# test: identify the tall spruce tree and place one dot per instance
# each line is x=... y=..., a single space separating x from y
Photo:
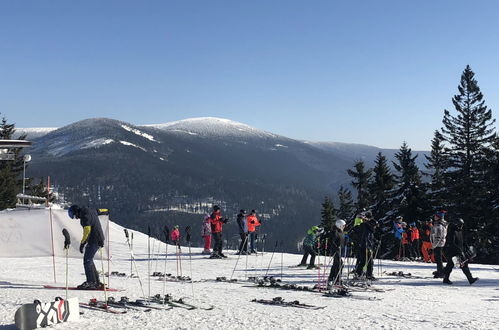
x=437 y=166
x=360 y=182
x=409 y=195
x=491 y=231
x=469 y=135
x=346 y=207
x=10 y=181
x=328 y=214
x=380 y=187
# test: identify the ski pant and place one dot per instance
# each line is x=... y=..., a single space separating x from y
x=217 y=246
x=450 y=266
x=365 y=261
x=335 y=274
x=243 y=247
x=307 y=250
x=88 y=263
x=207 y=242
x=416 y=248
x=252 y=236
x=427 y=252
x=438 y=259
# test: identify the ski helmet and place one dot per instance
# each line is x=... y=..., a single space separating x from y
x=340 y=224
x=242 y=211
x=216 y=207
x=72 y=211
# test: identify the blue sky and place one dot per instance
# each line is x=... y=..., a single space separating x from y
x=371 y=72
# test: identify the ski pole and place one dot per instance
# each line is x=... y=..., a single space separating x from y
x=188 y=239
x=103 y=278
x=67 y=244
x=133 y=261
x=167 y=233
x=271 y=257
x=239 y=256
x=282 y=258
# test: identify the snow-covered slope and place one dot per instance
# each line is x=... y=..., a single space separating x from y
x=415 y=303
x=33 y=133
x=211 y=126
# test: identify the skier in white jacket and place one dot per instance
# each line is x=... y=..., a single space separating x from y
x=437 y=238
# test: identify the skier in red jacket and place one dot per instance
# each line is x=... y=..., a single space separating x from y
x=217 y=222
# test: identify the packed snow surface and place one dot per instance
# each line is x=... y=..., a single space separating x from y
x=407 y=303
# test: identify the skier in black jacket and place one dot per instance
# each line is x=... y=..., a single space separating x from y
x=366 y=253
x=93 y=238
x=243 y=232
x=454 y=247
x=337 y=241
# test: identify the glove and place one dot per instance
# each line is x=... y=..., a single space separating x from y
x=101 y=244
x=225 y=220
x=82 y=246
x=252 y=222
x=67 y=244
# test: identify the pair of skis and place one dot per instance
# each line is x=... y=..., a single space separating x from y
x=279 y=301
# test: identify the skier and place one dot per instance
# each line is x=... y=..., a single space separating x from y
x=93 y=238
x=217 y=222
x=367 y=243
x=175 y=236
x=426 y=247
x=406 y=251
x=243 y=232
x=337 y=240
x=398 y=231
x=454 y=248
x=309 y=247
x=252 y=222
x=437 y=237
x=206 y=234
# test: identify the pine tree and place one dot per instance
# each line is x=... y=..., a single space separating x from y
x=360 y=182
x=328 y=214
x=346 y=208
x=490 y=233
x=409 y=199
x=437 y=166
x=10 y=182
x=380 y=187
x=469 y=135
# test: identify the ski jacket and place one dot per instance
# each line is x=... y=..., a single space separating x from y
x=252 y=222
x=398 y=230
x=175 y=235
x=414 y=234
x=206 y=226
x=311 y=239
x=438 y=233
x=454 y=243
x=241 y=223
x=337 y=240
x=405 y=239
x=367 y=240
x=216 y=222
x=425 y=233
x=92 y=228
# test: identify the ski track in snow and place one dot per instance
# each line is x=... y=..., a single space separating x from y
x=412 y=304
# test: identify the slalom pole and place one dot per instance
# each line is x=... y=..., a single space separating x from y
x=167 y=233
x=326 y=265
x=131 y=260
x=318 y=267
x=149 y=261
x=67 y=244
x=282 y=259
x=271 y=257
x=239 y=256
x=103 y=277
x=188 y=239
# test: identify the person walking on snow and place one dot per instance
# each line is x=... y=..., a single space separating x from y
x=437 y=237
x=243 y=232
x=93 y=239
x=217 y=222
x=310 y=246
x=252 y=222
x=337 y=241
x=454 y=248
x=206 y=234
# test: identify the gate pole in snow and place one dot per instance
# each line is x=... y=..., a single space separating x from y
x=52 y=240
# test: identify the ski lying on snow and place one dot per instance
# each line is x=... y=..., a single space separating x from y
x=76 y=288
x=101 y=306
x=178 y=303
x=278 y=301
x=346 y=294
